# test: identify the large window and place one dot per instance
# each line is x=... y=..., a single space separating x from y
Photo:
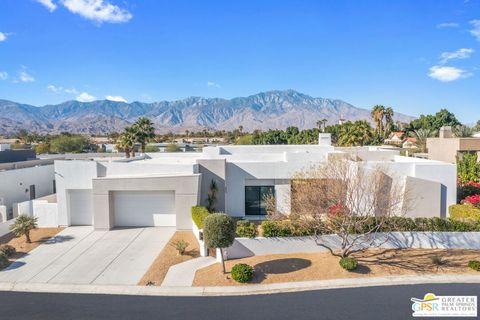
x=255 y=199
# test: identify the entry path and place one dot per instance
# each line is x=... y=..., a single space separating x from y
x=182 y=274
x=81 y=255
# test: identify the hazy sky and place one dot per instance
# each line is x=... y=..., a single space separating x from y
x=416 y=56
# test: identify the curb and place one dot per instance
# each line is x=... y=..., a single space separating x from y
x=237 y=290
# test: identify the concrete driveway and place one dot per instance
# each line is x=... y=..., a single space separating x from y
x=81 y=255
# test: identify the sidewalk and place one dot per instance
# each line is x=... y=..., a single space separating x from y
x=182 y=274
x=238 y=290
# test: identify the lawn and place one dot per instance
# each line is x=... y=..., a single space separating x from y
x=169 y=257
x=323 y=266
x=38 y=236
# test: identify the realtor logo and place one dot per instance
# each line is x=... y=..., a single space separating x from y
x=444 y=306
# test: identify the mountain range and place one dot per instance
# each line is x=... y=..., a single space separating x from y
x=265 y=110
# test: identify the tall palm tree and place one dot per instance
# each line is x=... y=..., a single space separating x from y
x=377 y=115
x=462 y=131
x=144 y=131
x=388 y=120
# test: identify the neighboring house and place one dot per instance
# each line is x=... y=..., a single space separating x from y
x=160 y=188
x=26 y=180
x=447 y=146
x=395 y=138
x=410 y=143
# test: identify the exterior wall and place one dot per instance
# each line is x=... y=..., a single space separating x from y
x=467 y=144
x=446 y=149
x=16 y=155
x=426 y=198
x=14 y=184
x=186 y=188
x=213 y=170
x=72 y=175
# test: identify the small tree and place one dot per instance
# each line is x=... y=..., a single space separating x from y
x=346 y=198
x=219 y=232
x=23 y=225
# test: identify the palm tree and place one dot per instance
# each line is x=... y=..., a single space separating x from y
x=144 y=131
x=388 y=120
x=321 y=123
x=23 y=225
x=421 y=135
x=462 y=131
x=240 y=128
x=377 y=115
x=127 y=140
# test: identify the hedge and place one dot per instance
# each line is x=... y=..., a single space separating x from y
x=199 y=214
x=464 y=212
x=246 y=229
x=287 y=228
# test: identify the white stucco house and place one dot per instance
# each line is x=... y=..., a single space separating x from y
x=159 y=189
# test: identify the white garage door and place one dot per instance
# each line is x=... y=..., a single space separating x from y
x=144 y=209
x=80 y=207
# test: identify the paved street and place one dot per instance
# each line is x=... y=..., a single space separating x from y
x=390 y=303
x=81 y=255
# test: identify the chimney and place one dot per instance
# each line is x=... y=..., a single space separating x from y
x=446 y=132
x=324 y=139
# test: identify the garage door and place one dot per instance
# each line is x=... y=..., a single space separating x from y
x=144 y=209
x=80 y=207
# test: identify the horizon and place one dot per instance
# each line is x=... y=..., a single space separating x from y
x=417 y=57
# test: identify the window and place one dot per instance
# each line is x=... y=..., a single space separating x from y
x=32 y=192
x=255 y=199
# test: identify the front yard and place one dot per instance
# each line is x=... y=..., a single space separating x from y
x=38 y=236
x=169 y=256
x=324 y=266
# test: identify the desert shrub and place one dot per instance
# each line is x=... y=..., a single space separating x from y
x=3 y=260
x=474 y=264
x=199 y=214
x=437 y=260
x=464 y=212
x=152 y=148
x=181 y=246
x=242 y=272
x=287 y=228
x=246 y=229
x=348 y=263
x=23 y=225
x=7 y=249
x=284 y=228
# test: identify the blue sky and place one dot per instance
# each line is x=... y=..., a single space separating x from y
x=416 y=56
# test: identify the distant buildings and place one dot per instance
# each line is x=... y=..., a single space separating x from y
x=446 y=147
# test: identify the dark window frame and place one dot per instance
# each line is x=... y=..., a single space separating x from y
x=254 y=199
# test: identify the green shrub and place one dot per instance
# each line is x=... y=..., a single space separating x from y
x=437 y=260
x=349 y=263
x=219 y=232
x=464 y=212
x=246 y=229
x=242 y=272
x=276 y=228
x=474 y=264
x=199 y=214
x=7 y=249
x=181 y=246
x=3 y=260
x=466 y=190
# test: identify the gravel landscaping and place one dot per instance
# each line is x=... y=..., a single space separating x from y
x=169 y=256
x=323 y=266
x=38 y=236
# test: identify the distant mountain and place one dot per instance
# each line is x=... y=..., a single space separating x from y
x=265 y=110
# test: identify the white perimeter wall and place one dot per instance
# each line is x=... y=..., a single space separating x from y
x=14 y=184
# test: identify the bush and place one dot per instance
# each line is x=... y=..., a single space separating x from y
x=349 y=263
x=7 y=249
x=242 y=272
x=474 y=264
x=246 y=229
x=3 y=260
x=181 y=246
x=199 y=214
x=464 y=212
x=437 y=260
x=467 y=189
x=284 y=228
x=218 y=230
x=474 y=200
